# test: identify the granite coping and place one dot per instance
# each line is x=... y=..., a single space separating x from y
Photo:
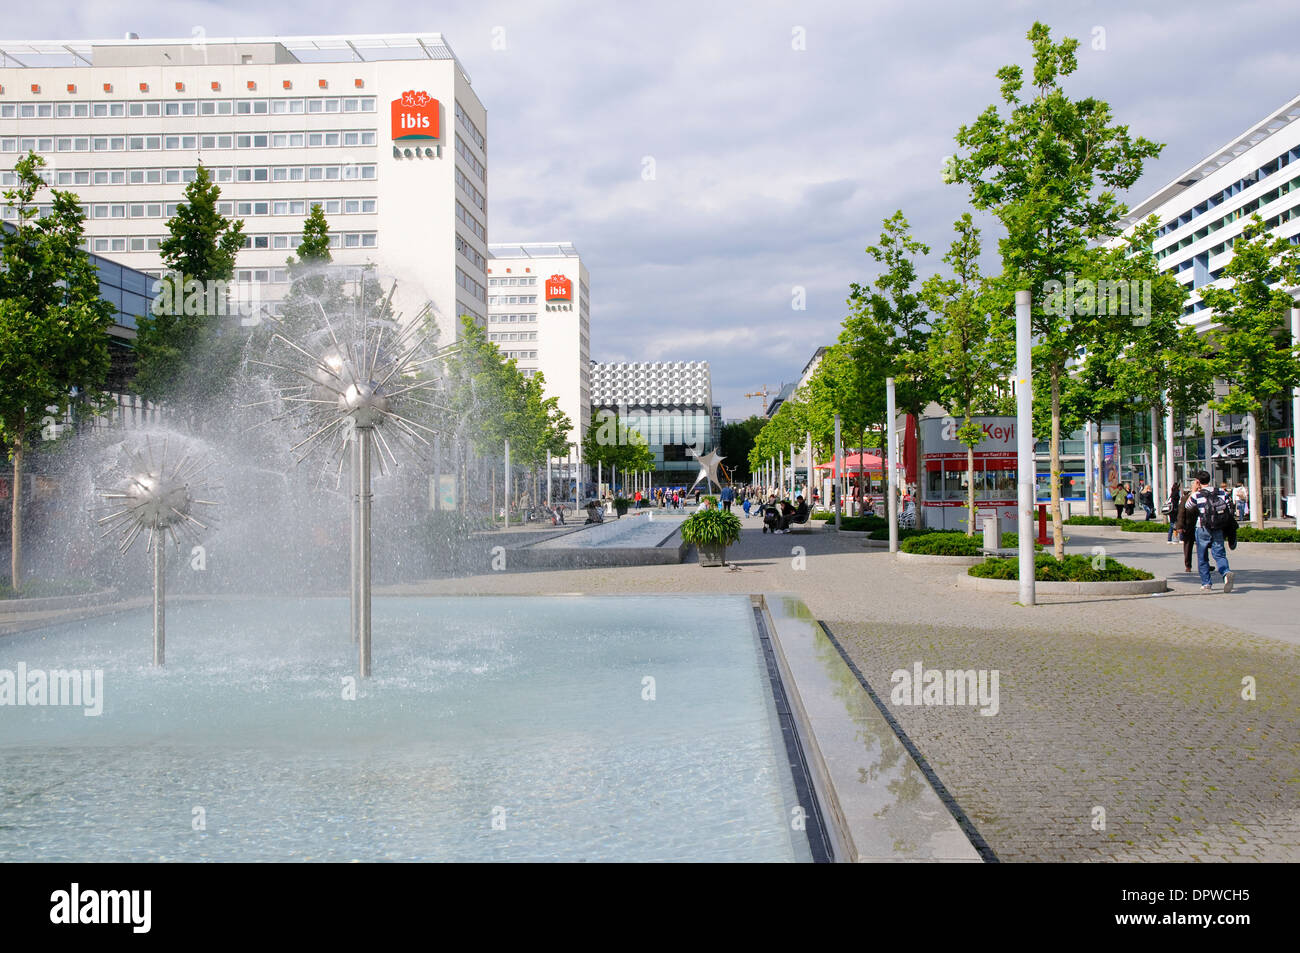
x=879 y=805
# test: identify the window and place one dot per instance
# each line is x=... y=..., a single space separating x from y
x=245 y=107
x=280 y=241
x=280 y=106
x=215 y=107
x=351 y=206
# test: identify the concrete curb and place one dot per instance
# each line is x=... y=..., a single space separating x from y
x=54 y=603
x=1134 y=588
x=1244 y=547
x=939 y=560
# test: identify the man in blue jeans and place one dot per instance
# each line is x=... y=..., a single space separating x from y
x=1211 y=505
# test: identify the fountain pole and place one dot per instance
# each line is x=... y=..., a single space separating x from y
x=361 y=569
x=354 y=593
x=159 y=603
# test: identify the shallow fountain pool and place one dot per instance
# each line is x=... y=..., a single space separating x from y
x=513 y=728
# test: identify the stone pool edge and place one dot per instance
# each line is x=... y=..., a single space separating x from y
x=829 y=730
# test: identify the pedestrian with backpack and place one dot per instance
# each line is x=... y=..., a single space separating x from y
x=1214 y=519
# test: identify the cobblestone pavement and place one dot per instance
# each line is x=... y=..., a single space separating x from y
x=1131 y=705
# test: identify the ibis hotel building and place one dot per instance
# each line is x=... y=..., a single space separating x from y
x=384 y=131
x=539 y=314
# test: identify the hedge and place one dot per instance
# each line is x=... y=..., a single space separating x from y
x=1144 y=526
x=942 y=544
x=882 y=532
x=1012 y=541
x=1273 y=534
x=1092 y=521
x=1071 y=569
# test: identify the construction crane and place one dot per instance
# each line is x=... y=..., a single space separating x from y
x=764 y=393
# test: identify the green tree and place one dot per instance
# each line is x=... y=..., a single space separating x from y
x=189 y=347
x=1049 y=171
x=612 y=444
x=1249 y=348
x=737 y=440
x=888 y=335
x=314 y=287
x=53 y=323
x=967 y=361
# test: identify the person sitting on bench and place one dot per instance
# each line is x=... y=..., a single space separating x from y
x=595 y=512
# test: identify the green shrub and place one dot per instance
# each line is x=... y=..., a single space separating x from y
x=882 y=532
x=1144 y=526
x=822 y=515
x=1273 y=534
x=1012 y=541
x=1092 y=521
x=1074 y=568
x=942 y=544
x=711 y=527
x=863 y=524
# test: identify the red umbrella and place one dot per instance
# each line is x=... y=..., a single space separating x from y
x=853 y=462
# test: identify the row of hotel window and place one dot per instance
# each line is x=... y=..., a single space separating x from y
x=514 y=336
x=473 y=287
x=468 y=188
x=513 y=318
x=471 y=128
x=240 y=209
x=470 y=252
x=187 y=107
x=512 y=299
x=520 y=356
x=1245 y=182
x=466 y=217
x=146 y=243
x=283 y=173
x=512 y=282
x=277 y=140
x=1250 y=207
x=463 y=151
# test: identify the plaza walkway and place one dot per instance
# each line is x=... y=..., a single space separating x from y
x=1122 y=733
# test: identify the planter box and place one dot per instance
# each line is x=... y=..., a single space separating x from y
x=1132 y=588
x=712 y=556
x=939 y=560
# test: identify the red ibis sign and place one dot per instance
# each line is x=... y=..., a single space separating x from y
x=415 y=115
x=559 y=288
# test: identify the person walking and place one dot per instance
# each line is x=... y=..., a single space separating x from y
x=1117 y=497
x=1186 y=519
x=1214 y=519
x=1146 y=499
x=726 y=496
x=1241 y=496
x=1129 y=500
x=1171 y=510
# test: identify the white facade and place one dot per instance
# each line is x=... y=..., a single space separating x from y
x=539 y=314
x=282 y=123
x=1203 y=210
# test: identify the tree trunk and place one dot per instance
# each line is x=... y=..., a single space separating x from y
x=16 y=527
x=970 y=491
x=1058 y=541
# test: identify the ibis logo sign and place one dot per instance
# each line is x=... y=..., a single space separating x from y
x=416 y=115
x=559 y=288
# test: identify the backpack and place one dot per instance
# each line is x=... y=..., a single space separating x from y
x=1218 y=511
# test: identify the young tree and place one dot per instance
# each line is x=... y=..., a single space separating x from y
x=1049 y=171
x=967 y=361
x=53 y=323
x=188 y=349
x=314 y=286
x=894 y=313
x=612 y=444
x=1249 y=347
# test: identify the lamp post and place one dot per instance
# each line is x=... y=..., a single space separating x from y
x=1025 y=444
x=891 y=437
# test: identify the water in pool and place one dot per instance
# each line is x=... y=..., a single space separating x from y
x=632 y=728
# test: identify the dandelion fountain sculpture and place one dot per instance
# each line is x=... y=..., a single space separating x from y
x=354 y=378
x=159 y=499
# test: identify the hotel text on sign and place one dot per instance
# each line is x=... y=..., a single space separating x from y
x=415 y=116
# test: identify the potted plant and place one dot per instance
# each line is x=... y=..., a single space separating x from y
x=711 y=531
x=621 y=505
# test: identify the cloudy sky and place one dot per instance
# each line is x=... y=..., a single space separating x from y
x=709 y=158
